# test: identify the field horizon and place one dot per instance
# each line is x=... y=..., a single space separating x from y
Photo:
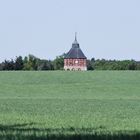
x=70 y=105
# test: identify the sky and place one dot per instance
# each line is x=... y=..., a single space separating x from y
x=108 y=29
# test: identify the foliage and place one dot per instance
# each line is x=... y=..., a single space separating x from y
x=29 y=62
x=90 y=64
x=96 y=105
x=19 y=63
x=59 y=63
x=45 y=65
x=8 y=65
x=115 y=65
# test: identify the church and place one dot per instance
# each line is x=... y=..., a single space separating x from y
x=75 y=60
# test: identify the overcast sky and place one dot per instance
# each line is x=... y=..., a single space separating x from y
x=107 y=29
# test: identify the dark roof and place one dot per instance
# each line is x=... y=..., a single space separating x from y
x=75 y=51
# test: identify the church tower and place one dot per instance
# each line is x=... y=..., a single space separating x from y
x=75 y=60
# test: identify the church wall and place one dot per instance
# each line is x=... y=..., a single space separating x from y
x=75 y=64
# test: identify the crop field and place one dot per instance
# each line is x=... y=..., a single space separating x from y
x=98 y=105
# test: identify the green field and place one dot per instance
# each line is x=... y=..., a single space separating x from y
x=70 y=105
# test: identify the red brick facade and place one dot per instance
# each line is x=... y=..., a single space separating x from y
x=75 y=64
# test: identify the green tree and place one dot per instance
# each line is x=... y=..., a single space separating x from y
x=31 y=62
x=45 y=65
x=8 y=65
x=59 y=63
x=90 y=64
x=19 y=63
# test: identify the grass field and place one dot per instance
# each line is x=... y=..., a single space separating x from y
x=96 y=105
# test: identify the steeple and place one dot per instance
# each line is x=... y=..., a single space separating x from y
x=75 y=36
x=75 y=41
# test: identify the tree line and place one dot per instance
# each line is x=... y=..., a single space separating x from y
x=31 y=62
x=102 y=64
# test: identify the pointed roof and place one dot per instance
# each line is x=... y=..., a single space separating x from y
x=75 y=41
x=75 y=51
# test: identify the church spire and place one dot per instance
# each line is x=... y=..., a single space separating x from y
x=75 y=36
x=75 y=41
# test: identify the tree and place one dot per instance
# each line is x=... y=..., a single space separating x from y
x=59 y=62
x=19 y=63
x=45 y=65
x=1 y=66
x=90 y=64
x=132 y=65
x=26 y=65
x=31 y=62
x=8 y=65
